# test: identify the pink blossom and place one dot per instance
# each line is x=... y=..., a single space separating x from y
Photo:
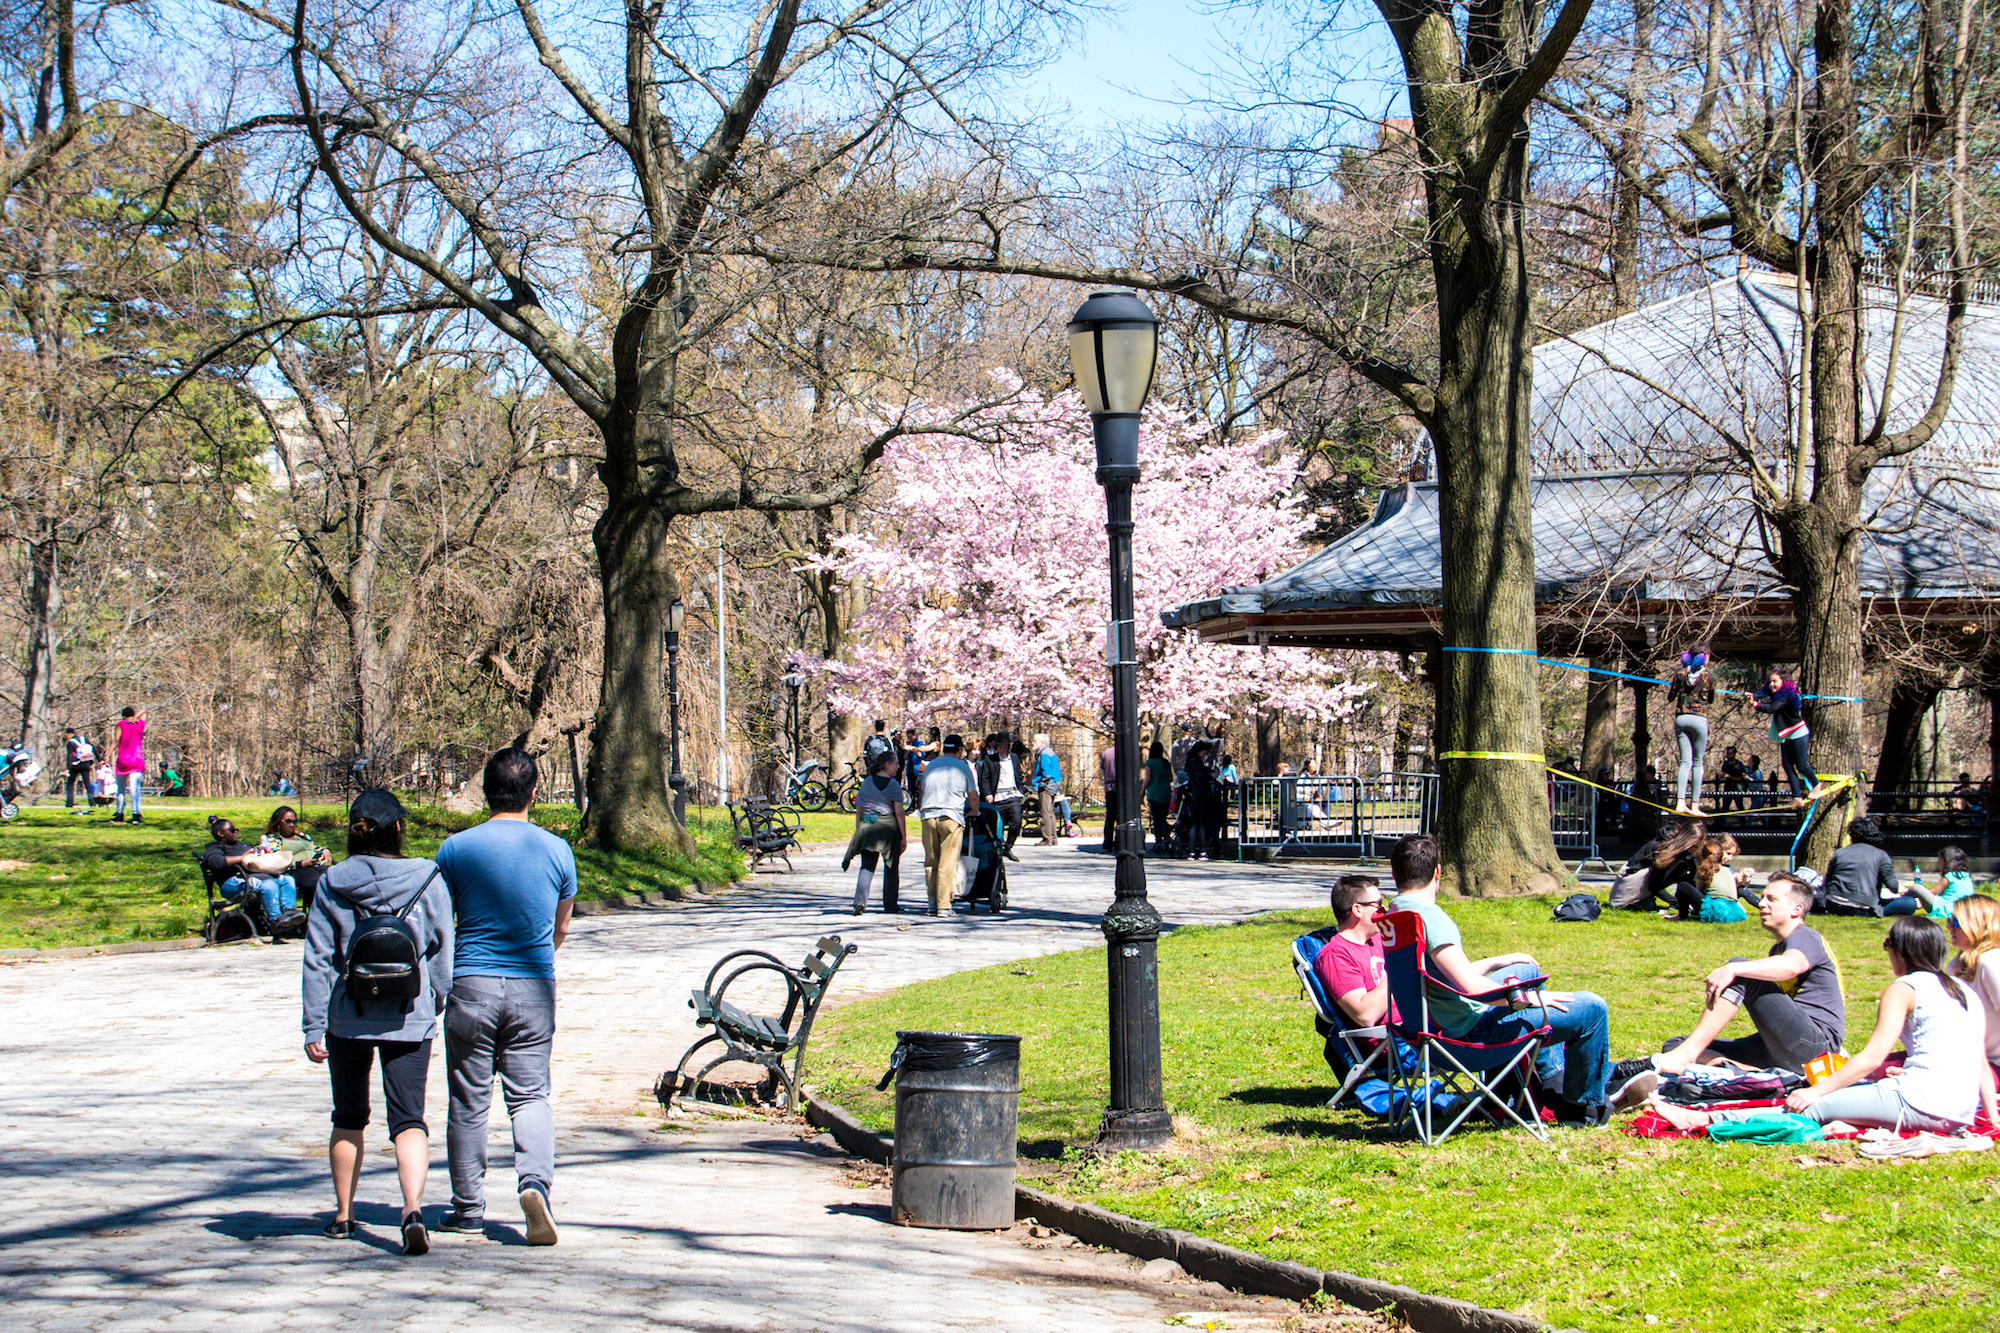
x=989 y=583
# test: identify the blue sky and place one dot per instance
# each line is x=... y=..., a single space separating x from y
x=1138 y=61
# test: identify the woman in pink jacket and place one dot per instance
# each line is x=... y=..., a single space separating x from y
x=131 y=767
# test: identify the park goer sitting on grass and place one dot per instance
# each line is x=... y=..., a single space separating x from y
x=1792 y=994
x=1660 y=867
x=1711 y=895
x=1861 y=879
x=1954 y=883
x=240 y=867
x=1974 y=926
x=1944 y=1081
x=1574 y=1066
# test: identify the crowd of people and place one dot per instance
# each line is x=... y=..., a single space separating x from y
x=1689 y=870
x=1945 y=1013
x=961 y=800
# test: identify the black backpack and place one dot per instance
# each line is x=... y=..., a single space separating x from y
x=1579 y=907
x=385 y=958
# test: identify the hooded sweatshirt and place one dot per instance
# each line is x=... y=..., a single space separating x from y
x=377 y=884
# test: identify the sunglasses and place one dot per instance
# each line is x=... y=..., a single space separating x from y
x=1367 y=902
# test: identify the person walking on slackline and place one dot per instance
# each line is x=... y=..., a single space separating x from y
x=1691 y=691
x=1780 y=698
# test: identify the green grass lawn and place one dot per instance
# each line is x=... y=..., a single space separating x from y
x=1595 y=1231
x=71 y=879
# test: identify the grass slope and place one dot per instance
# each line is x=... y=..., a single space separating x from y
x=1596 y=1231
x=71 y=879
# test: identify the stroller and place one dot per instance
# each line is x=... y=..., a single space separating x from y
x=18 y=768
x=989 y=881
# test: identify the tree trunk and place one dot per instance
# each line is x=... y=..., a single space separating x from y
x=629 y=808
x=38 y=694
x=1910 y=698
x=1494 y=817
x=1270 y=741
x=1600 y=717
x=1822 y=559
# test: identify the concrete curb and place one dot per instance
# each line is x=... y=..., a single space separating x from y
x=1238 y=1269
x=92 y=950
x=693 y=893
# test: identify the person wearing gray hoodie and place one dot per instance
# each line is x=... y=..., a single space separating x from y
x=348 y=1035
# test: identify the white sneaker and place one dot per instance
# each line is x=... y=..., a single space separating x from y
x=541 y=1222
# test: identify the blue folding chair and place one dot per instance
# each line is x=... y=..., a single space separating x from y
x=1476 y=1070
x=1332 y=1024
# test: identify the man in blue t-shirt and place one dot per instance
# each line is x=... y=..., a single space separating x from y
x=511 y=885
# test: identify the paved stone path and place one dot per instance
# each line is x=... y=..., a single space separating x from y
x=162 y=1142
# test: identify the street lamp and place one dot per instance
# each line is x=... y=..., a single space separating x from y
x=676 y=782
x=793 y=679
x=1114 y=344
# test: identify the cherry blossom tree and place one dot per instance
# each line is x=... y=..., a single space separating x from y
x=988 y=574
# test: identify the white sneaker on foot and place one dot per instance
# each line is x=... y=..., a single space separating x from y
x=541 y=1222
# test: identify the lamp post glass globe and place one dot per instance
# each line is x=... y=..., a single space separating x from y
x=1114 y=344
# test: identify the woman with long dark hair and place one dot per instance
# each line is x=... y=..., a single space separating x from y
x=1780 y=698
x=350 y=1035
x=1944 y=1082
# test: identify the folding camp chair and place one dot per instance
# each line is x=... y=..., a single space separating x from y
x=1332 y=1024
x=1475 y=1069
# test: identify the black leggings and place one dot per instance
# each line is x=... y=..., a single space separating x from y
x=1163 y=829
x=404 y=1067
x=1793 y=754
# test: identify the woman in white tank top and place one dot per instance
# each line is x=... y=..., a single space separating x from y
x=1942 y=1026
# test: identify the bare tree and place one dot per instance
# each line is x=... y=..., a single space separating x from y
x=673 y=139
x=1797 y=143
x=1471 y=77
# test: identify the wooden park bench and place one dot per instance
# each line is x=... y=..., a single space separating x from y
x=766 y=1040
x=763 y=831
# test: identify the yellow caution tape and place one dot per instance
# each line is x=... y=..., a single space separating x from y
x=1495 y=754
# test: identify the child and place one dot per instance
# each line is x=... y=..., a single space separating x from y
x=1711 y=894
x=1955 y=882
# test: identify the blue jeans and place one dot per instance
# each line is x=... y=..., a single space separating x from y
x=279 y=894
x=1578 y=1055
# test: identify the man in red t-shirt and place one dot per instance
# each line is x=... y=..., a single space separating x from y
x=1350 y=965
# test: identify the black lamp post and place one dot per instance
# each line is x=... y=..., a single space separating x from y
x=793 y=679
x=676 y=781
x=1113 y=346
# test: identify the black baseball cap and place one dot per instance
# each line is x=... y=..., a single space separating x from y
x=377 y=805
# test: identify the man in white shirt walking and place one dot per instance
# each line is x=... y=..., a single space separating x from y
x=951 y=797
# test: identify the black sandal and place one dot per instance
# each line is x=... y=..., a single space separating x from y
x=415 y=1239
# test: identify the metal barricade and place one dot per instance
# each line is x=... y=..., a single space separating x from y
x=1573 y=821
x=1321 y=813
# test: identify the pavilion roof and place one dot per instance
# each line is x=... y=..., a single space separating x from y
x=1637 y=497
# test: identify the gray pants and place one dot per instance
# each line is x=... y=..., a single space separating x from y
x=503 y=1025
x=1691 y=734
x=1864 y=1106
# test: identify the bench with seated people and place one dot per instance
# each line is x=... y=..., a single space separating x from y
x=236 y=873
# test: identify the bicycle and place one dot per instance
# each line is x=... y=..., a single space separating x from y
x=798 y=787
x=847 y=791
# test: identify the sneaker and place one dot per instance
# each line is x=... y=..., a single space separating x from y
x=340 y=1228
x=857 y=909
x=541 y=1222
x=461 y=1225
x=1008 y=852
x=118 y=818
x=137 y=819
x=415 y=1241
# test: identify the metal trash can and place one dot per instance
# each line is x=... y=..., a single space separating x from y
x=957 y=1094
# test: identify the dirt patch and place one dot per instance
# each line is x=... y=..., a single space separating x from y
x=7 y=865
